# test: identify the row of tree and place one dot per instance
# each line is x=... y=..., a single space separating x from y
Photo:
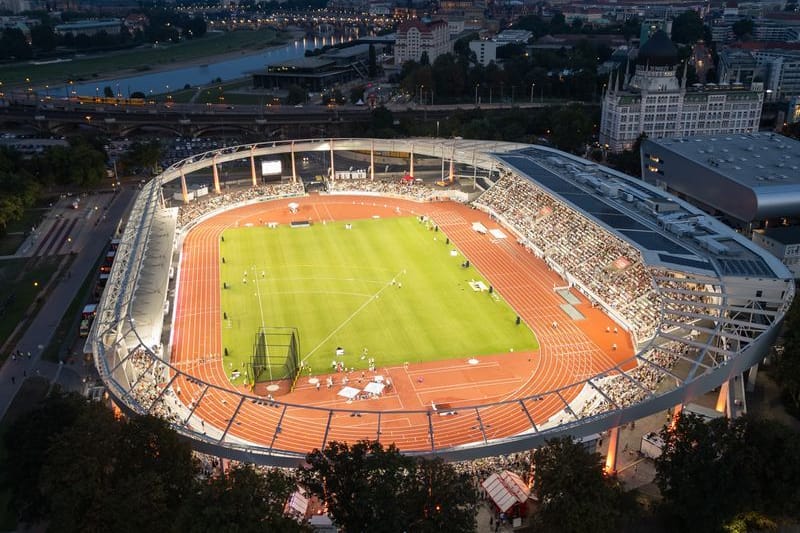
x=163 y=25
x=568 y=73
x=740 y=475
x=22 y=179
x=78 y=465
x=569 y=127
x=787 y=361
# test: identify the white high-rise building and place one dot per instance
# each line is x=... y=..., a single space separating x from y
x=414 y=37
x=654 y=102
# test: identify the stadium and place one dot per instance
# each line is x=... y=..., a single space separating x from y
x=572 y=299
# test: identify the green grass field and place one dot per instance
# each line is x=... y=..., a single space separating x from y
x=336 y=287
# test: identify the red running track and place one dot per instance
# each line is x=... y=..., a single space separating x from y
x=569 y=353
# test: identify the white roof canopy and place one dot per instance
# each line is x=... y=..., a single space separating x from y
x=506 y=489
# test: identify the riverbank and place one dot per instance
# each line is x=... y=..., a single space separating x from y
x=99 y=69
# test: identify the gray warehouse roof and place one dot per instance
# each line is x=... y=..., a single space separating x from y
x=753 y=160
x=748 y=177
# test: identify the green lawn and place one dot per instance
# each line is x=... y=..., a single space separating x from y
x=335 y=286
x=20 y=285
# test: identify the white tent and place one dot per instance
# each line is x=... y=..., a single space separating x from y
x=297 y=504
x=374 y=388
x=349 y=392
x=506 y=489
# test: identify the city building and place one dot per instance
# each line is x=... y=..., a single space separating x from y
x=784 y=243
x=775 y=27
x=653 y=101
x=485 y=51
x=19 y=6
x=317 y=73
x=513 y=36
x=90 y=27
x=736 y=65
x=415 y=38
x=793 y=113
x=751 y=181
x=777 y=64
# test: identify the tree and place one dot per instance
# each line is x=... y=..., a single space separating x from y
x=14 y=45
x=243 y=496
x=371 y=488
x=787 y=363
x=43 y=37
x=296 y=95
x=629 y=161
x=632 y=28
x=108 y=92
x=363 y=484
x=743 y=29
x=143 y=154
x=687 y=28
x=573 y=492
x=27 y=442
x=424 y=59
x=691 y=465
x=572 y=129
x=715 y=473
x=106 y=474
x=442 y=498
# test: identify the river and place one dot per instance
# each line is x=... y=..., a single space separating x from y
x=161 y=81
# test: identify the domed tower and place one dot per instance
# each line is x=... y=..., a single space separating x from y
x=656 y=64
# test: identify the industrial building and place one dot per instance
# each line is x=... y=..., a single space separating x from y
x=750 y=181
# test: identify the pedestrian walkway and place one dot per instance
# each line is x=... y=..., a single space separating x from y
x=101 y=226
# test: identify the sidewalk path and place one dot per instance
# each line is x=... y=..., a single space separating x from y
x=99 y=229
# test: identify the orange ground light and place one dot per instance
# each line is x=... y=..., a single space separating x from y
x=568 y=353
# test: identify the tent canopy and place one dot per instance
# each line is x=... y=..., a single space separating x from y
x=506 y=489
x=349 y=392
x=374 y=388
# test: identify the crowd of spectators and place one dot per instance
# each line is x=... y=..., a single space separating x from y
x=635 y=385
x=199 y=207
x=148 y=381
x=608 y=266
x=406 y=189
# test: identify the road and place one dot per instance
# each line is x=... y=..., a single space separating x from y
x=95 y=237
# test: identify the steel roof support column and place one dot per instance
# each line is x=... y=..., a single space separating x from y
x=751 y=378
x=333 y=171
x=215 y=170
x=430 y=432
x=676 y=414
x=411 y=162
x=372 y=161
x=184 y=189
x=253 y=165
x=613 y=448
x=294 y=166
x=230 y=422
x=723 y=398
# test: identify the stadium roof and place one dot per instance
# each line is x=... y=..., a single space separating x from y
x=668 y=231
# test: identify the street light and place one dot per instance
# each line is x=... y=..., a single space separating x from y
x=532 y=86
x=476 y=93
